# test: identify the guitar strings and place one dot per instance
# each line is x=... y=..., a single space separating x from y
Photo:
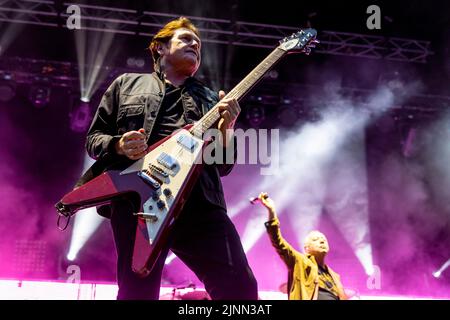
x=240 y=89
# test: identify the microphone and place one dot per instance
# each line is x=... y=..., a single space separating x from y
x=256 y=199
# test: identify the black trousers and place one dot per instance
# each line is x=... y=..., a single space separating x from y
x=204 y=238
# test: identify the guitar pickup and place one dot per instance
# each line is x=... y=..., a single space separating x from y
x=187 y=142
x=149 y=180
x=167 y=161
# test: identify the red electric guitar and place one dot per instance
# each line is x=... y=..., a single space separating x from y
x=160 y=182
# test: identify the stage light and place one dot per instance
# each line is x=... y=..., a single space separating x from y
x=93 y=53
x=80 y=116
x=273 y=74
x=364 y=254
x=7 y=87
x=71 y=256
x=140 y=63
x=130 y=62
x=86 y=223
x=40 y=91
x=40 y=96
x=437 y=274
x=369 y=270
x=30 y=257
x=255 y=115
x=288 y=115
x=135 y=62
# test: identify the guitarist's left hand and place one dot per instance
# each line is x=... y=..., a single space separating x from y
x=229 y=111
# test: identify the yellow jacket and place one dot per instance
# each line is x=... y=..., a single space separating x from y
x=303 y=275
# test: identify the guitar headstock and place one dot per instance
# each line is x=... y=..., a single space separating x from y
x=301 y=41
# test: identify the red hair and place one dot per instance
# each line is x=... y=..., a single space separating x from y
x=166 y=33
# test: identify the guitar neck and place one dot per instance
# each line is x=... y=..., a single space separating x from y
x=239 y=91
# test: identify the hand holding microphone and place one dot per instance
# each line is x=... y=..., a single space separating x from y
x=267 y=202
x=254 y=200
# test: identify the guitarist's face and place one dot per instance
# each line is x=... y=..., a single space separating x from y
x=182 y=52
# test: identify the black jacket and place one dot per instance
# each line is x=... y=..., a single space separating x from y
x=132 y=102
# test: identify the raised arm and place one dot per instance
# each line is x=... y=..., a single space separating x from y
x=283 y=248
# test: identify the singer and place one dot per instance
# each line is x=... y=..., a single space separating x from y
x=320 y=282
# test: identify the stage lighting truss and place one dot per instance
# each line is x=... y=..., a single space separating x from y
x=238 y=33
x=20 y=71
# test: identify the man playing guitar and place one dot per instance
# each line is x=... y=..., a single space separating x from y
x=138 y=110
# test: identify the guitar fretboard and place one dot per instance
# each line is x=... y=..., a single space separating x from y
x=239 y=91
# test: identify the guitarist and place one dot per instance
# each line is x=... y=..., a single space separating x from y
x=138 y=110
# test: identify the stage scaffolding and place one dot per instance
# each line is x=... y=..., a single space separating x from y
x=236 y=33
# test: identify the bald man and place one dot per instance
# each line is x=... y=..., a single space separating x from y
x=309 y=278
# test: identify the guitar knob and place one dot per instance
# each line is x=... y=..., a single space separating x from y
x=160 y=204
x=167 y=192
x=155 y=196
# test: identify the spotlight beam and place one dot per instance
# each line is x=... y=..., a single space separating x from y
x=86 y=223
x=438 y=273
x=10 y=33
x=314 y=146
x=93 y=50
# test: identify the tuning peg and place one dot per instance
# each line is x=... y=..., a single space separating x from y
x=312 y=44
x=315 y=41
x=307 y=51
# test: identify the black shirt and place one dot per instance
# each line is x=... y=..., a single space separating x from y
x=171 y=115
x=327 y=287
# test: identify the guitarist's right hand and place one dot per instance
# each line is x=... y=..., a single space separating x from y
x=132 y=144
